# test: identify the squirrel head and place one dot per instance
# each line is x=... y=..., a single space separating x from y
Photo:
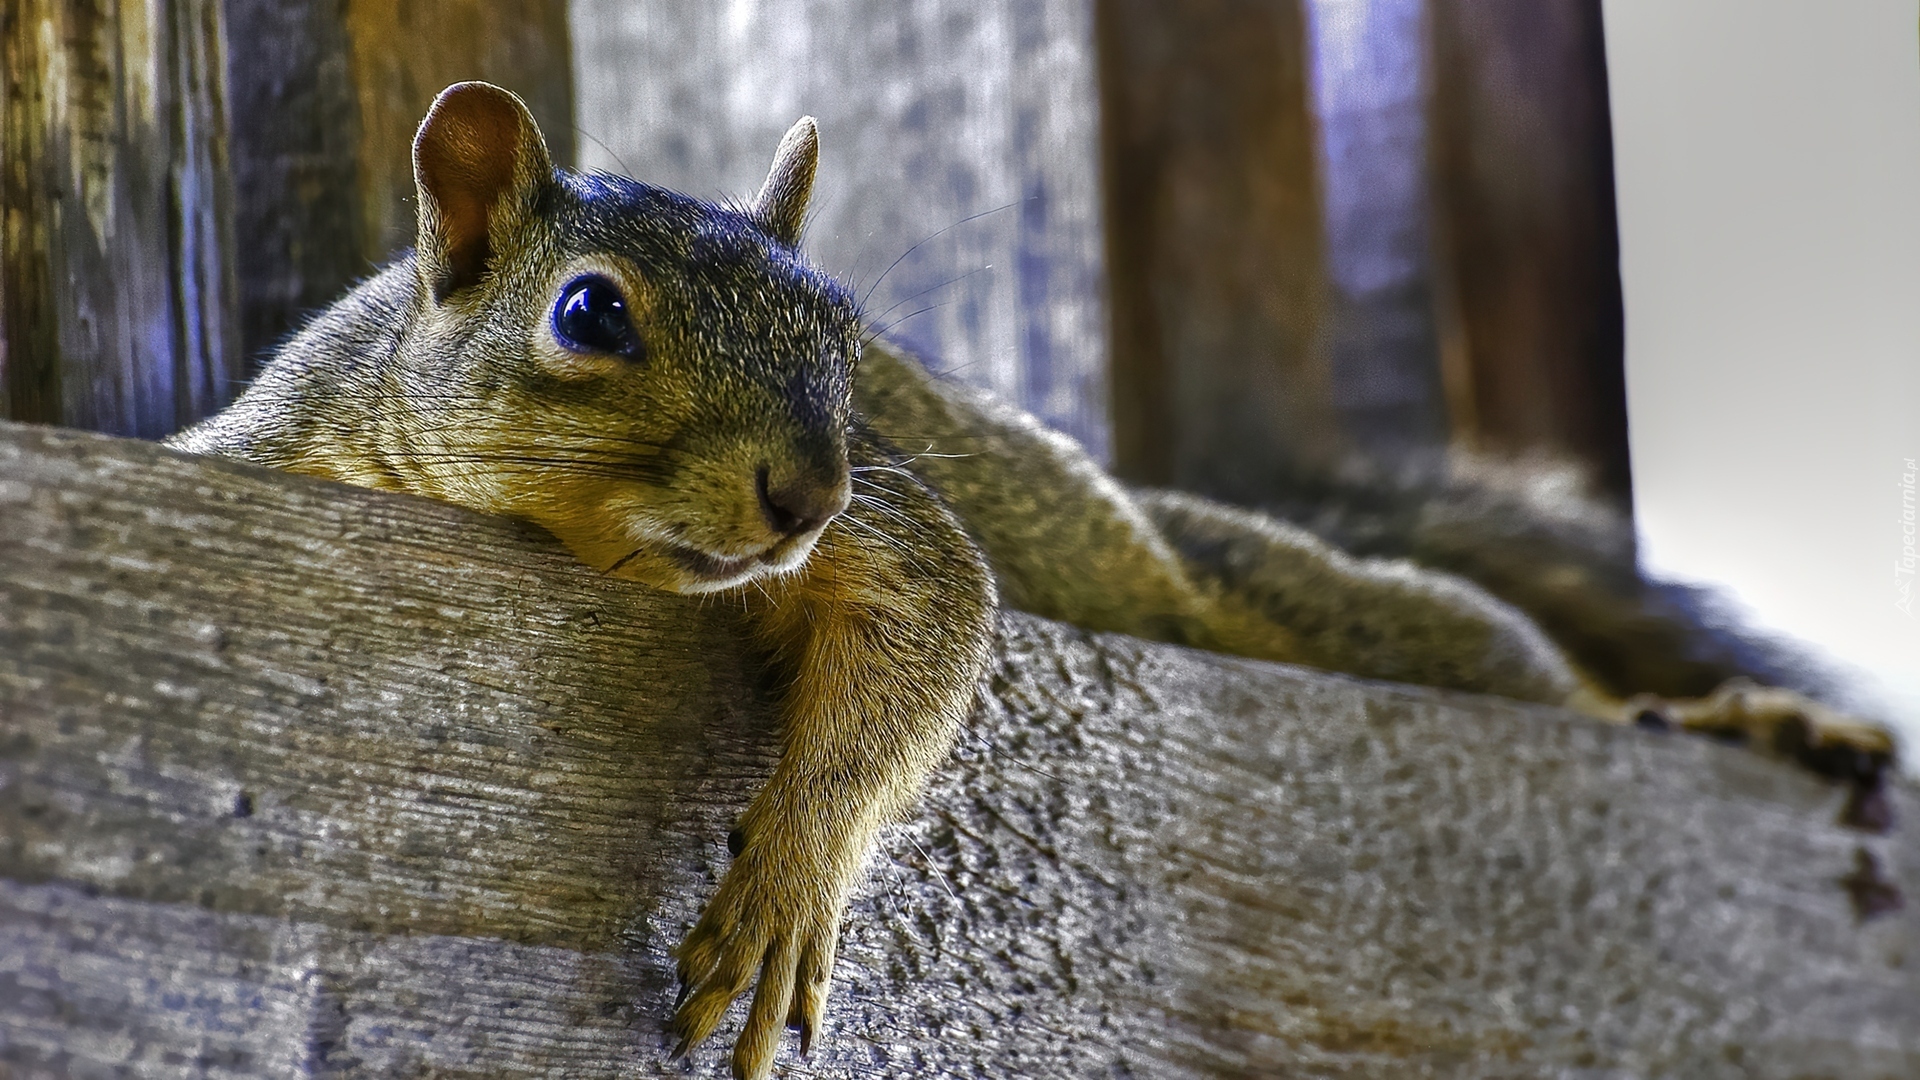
x=663 y=383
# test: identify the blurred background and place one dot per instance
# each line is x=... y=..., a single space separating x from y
x=1270 y=250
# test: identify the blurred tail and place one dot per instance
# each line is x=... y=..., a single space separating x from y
x=1531 y=533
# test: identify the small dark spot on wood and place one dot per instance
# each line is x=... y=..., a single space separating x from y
x=1873 y=895
x=736 y=842
x=1652 y=720
x=243 y=804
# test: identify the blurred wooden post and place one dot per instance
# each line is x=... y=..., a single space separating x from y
x=1355 y=232
x=959 y=185
x=1213 y=233
x=1370 y=83
x=1529 y=250
x=116 y=266
x=325 y=101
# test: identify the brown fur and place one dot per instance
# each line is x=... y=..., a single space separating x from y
x=676 y=463
x=443 y=376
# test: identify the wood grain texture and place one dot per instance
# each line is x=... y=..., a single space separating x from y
x=326 y=95
x=298 y=778
x=1371 y=75
x=116 y=260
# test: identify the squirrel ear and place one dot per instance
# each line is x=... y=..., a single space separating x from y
x=479 y=165
x=781 y=206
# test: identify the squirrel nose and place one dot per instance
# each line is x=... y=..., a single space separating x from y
x=799 y=505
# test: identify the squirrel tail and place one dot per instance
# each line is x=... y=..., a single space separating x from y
x=1531 y=532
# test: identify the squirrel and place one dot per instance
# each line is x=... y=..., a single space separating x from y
x=669 y=388
x=665 y=386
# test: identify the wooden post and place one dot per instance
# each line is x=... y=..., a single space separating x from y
x=325 y=102
x=959 y=185
x=135 y=279
x=116 y=265
x=1213 y=234
x=1529 y=254
x=1370 y=83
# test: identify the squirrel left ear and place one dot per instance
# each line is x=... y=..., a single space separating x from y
x=781 y=206
x=479 y=166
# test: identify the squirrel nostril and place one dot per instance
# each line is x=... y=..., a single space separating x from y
x=778 y=515
x=797 y=506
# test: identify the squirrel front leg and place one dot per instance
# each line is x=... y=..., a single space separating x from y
x=881 y=637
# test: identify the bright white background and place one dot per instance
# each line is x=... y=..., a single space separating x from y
x=1768 y=167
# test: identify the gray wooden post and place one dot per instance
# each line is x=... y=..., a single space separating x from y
x=959 y=186
x=1371 y=80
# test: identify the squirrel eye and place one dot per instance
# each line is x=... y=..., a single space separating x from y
x=591 y=316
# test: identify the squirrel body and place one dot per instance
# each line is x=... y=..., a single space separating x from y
x=671 y=390
x=664 y=385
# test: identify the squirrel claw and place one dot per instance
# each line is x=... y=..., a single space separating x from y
x=1795 y=727
x=1868 y=807
x=772 y=933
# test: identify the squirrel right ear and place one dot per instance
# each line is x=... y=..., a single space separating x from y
x=479 y=166
x=781 y=206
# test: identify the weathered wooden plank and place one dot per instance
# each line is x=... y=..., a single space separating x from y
x=301 y=778
x=116 y=268
x=959 y=169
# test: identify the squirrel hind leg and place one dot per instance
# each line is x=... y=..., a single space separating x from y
x=1788 y=724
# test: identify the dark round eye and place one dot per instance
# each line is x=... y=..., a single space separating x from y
x=592 y=317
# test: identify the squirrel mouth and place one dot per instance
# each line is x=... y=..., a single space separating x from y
x=714 y=567
x=719 y=571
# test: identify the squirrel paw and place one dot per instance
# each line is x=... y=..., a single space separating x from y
x=772 y=918
x=1794 y=726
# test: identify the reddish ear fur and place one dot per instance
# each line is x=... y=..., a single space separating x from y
x=479 y=162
